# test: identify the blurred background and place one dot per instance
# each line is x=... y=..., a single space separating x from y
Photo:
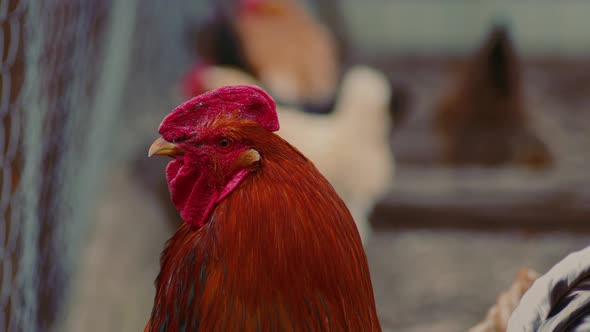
x=469 y=121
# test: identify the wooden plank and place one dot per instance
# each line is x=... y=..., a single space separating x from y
x=480 y=209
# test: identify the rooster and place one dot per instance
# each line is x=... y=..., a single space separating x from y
x=265 y=243
x=361 y=121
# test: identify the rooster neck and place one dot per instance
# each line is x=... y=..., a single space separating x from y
x=270 y=258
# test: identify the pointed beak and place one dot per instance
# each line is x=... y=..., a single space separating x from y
x=162 y=147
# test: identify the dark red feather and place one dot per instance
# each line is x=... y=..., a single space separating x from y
x=279 y=253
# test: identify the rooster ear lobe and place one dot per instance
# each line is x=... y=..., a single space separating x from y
x=248 y=158
x=256 y=104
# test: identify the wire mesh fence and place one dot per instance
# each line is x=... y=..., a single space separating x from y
x=54 y=96
x=67 y=81
x=11 y=81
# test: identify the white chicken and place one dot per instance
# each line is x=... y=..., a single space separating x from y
x=350 y=146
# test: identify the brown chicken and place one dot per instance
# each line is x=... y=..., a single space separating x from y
x=289 y=51
x=266 y=244
x=483 y=121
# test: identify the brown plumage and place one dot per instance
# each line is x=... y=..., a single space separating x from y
x=275 y=249
x=483 y=120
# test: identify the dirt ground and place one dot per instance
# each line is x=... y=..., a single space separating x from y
x=445 y=281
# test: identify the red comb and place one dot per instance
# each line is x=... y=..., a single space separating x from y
x=251 y=102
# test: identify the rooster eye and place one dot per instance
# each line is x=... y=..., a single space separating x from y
x=179 y=139
x=224 y=143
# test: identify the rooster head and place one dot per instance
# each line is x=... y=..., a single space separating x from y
x=210 y=139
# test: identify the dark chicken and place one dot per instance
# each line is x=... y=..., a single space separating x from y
x=266 y=243
x=484 y=121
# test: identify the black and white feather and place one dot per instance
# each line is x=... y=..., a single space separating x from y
x=558 y=301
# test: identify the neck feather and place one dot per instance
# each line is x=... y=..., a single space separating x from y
x=279 y=251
